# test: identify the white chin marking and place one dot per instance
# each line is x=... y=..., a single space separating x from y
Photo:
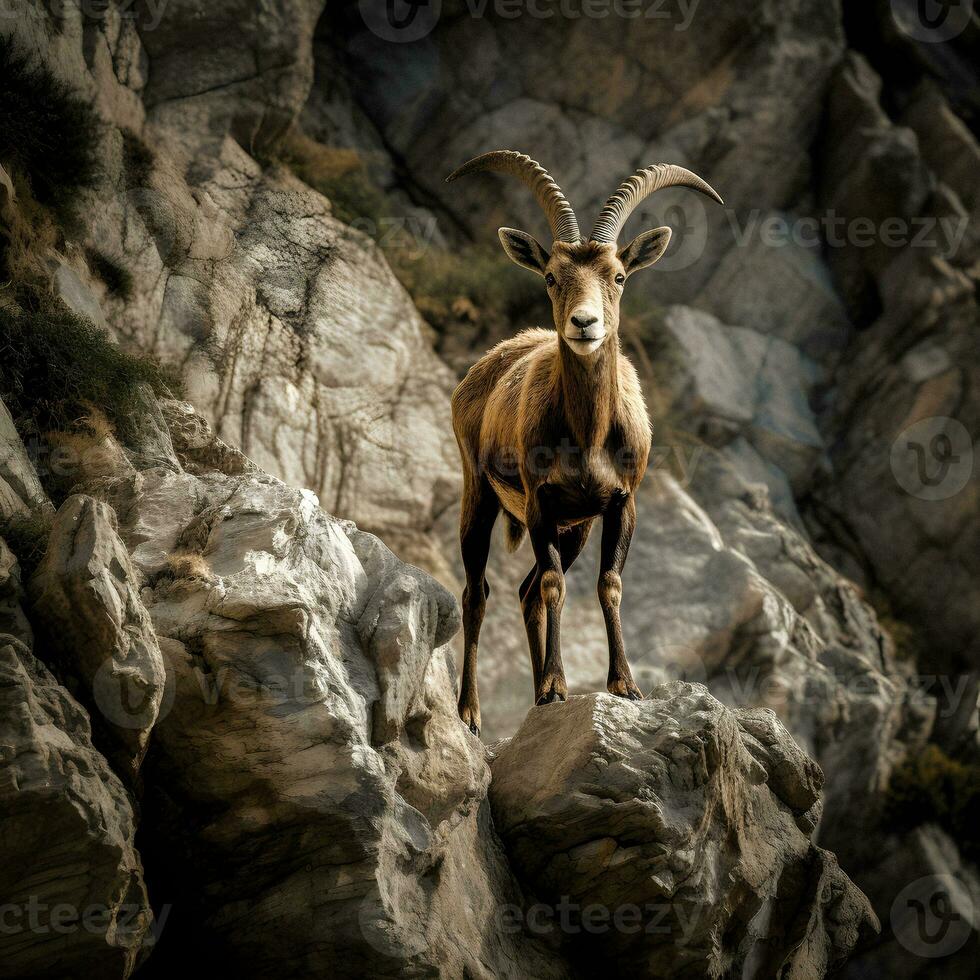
x=585 y=346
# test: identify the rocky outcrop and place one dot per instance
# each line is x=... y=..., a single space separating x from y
x=904 y=489
x=292 y=334
x=71 y=883
x=675 y=834
x=20 y=488
x=236 y=68
x=310 y=802
x=86 y=599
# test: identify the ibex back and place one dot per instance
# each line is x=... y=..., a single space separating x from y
x=552 y=427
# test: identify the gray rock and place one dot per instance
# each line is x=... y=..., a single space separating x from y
x=13 y=622
x=20 y=488
x=236 y=68
x=731 y=381
x=775 y=281
x=71 y=881
x=903 y=492
x=676 y=808
x=86 y=595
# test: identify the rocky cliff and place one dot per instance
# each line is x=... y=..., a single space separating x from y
x=236 y=713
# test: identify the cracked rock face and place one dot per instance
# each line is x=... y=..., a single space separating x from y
x=685 y=827
x=293 y=336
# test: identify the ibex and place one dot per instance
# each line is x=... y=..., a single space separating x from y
x=552 y=426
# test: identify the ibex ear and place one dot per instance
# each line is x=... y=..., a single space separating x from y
x=645 y=249
x=523 y=249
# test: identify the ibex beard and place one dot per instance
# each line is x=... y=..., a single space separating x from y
x=572 y=393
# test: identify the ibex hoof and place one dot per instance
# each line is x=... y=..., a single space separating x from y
x=550 y=697
x=624 y=689
x=471 y=719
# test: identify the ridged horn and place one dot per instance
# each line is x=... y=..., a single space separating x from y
x=634 y=189
x=561 y=217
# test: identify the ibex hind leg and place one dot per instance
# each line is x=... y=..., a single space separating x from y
x=570 y=543
x=479 y=513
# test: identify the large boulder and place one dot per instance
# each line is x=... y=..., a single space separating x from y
x=71 y=882
x=312 y=803
x=692 y=819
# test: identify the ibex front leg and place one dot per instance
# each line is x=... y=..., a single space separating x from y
x=543 y=531
x=479 y=512
x=617 y=530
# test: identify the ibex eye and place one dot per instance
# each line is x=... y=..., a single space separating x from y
x=549 y=280
x=620 y=278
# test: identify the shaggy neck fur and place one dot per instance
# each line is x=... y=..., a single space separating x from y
x=590 y=390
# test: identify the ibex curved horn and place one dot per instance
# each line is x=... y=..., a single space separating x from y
x=634 y=189
x=561 y=217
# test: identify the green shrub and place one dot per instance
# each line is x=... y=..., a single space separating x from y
x=906 y=639
x=473 y=283
x=55 y=366
x=46 y=132
x=118 y=280
x=933 y=788
x=27 y=537
x=340 y=175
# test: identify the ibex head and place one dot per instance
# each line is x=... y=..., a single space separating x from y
x=585 y=278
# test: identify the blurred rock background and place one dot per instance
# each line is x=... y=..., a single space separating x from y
x=252 y=196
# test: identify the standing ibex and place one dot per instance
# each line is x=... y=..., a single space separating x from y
x=552 y=426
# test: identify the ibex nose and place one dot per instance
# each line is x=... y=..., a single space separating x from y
x=583 y=320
